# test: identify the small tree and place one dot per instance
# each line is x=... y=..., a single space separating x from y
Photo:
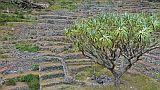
x=116 y=41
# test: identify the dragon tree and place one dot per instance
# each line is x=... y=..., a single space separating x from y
x=116 y=41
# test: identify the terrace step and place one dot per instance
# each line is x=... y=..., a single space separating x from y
x=52 y=17
x=129 y=7
x=8 y=76
x=79 y=62
x=25 y=40
x=59 y=49
x=47 y=59
x=50 y=48
x=53 y=38
x=70 y=50
x=49 y=26
x=77 y=55
x=57 y=87
x=82 y=63
x=151 y=58
x=149 y=65
x=147 y=68
x=50 y=66
x=51 y=33
x=6 y=45
x=55 y=49
x=60 y=17
x=78 y=68
x=2 y=50
x=57 y=22
x=61 y=13
x=6 y=55
x=8 y=59
x=46 y=81
x=49 y=84
x=46 y=53
x=131 y=10
x=52 y=43
x=51 y=74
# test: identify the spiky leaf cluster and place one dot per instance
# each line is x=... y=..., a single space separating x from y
x=112 y=30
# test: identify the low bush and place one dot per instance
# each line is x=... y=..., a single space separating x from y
x=27 y=47
x=10 y=82
x=8 y=18
x=35 y=67
x=31 y=80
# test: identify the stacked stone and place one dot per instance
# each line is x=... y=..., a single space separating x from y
x=134 y=6
x=15 y=66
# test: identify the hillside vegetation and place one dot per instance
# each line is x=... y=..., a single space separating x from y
x=35 y=52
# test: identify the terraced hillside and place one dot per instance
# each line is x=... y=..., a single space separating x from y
x=134 y=6
x=53 y=43
x=55 y=56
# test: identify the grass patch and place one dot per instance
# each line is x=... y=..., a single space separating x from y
x=131 y=81
x=4 y=56
x=35 y=67
x=142 y=82
x=27 y=47
x=10 y=12
x=7 y=5
x=7 y=36
x=63 y=4
x=157 y=76
x=10 y=82
x=8 y=18
x=31 y=80
x=96 y=70
x=18 y=16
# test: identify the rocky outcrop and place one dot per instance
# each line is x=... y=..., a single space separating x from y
x=30 y=4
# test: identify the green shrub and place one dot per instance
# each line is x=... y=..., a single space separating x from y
x=9 y=18
x=27 y=47
x=55 y=7
x=20 y=14
x=34 y=84
x=35 y=65
x=61 y=4
x=8 y=5
x=17 y=16
x=10 y=82
x=31 y=80
x=81 y=76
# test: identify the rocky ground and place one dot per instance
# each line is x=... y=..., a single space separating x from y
x=56 y=58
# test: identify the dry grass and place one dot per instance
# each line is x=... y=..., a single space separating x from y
x=131 y=81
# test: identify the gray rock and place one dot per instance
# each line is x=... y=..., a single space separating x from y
x=103 y=79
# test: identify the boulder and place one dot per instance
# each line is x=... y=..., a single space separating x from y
x=102 y=79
